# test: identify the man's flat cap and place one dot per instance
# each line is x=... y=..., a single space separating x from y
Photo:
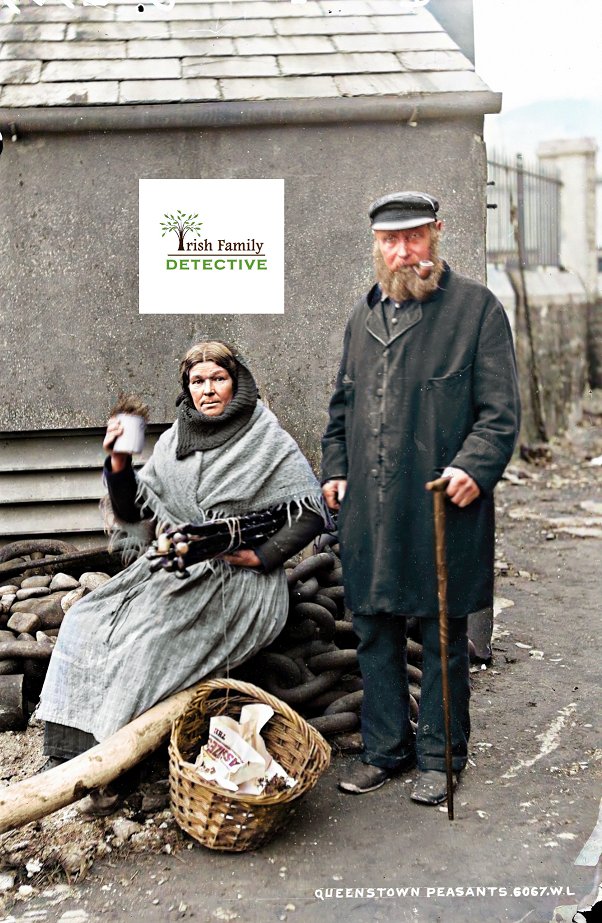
x=400 y=210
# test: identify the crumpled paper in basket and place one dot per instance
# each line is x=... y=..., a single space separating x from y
x=235 y=756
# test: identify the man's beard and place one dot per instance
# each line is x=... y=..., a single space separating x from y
x=405 y=284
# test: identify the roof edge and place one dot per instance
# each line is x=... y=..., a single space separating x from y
x=67 y=119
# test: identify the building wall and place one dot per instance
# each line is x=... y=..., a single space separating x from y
x=70 y=329
x=575 y=160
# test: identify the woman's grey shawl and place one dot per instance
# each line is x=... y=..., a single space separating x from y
x=143 y=636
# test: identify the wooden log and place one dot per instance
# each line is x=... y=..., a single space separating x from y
x=42 y=794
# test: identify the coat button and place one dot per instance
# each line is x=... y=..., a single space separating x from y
x=374 y=472
x=385 y=352
x=375 y=431
x=379 y=391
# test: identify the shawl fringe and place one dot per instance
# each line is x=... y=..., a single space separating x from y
x=295 y=489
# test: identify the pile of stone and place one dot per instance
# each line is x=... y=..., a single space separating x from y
x=31 y=611
x=312 y=665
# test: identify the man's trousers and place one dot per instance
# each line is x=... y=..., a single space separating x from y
x=386 y=730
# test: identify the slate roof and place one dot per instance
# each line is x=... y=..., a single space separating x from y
x=229 y=50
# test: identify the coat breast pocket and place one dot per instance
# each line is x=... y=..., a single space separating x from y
x=455 y=380
x=449 y=411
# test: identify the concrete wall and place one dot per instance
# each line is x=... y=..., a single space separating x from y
x=70 y=330
x=594 y=342
x=575 y=160
x=553 y=373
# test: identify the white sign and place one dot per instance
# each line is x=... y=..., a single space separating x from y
x=211 y=246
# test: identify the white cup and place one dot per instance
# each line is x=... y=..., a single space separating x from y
x=131 y=440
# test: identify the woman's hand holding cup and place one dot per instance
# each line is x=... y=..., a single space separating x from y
x=119 y=460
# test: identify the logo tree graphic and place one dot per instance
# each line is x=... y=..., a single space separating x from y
x=181 y=224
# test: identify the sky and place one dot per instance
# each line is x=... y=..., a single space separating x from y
x=539 y=49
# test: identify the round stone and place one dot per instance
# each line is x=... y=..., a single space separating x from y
x=42 y=580
x=72 y=597
x=24 y=622
x=91 y=580
x=32 y=592
x=63 y=582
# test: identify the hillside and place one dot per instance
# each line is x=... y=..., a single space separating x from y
x=524 y=128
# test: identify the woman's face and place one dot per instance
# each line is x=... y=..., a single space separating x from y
x=211 y=388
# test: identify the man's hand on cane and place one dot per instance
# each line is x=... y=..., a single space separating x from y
x=462 y=489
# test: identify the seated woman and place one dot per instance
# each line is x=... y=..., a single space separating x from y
x=146 y=634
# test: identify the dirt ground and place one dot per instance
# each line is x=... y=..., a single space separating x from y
x=523 y=846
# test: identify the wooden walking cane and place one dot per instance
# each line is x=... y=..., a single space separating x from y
x=438 y=488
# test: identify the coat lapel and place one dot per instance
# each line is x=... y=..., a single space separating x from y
x=407 y=319
x=375 y=324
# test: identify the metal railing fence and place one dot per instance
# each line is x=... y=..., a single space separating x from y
x=523 y=212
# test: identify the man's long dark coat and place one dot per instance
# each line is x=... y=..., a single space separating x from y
x=440 y=390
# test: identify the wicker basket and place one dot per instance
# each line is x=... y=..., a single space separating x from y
x=226 y=820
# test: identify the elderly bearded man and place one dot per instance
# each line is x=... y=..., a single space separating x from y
x=427 y=386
